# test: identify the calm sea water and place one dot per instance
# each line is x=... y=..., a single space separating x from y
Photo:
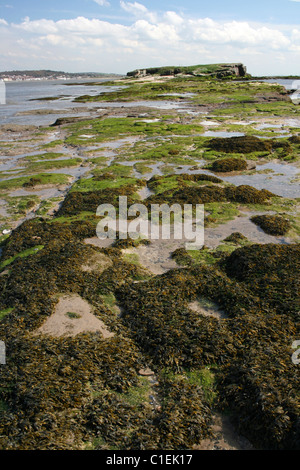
x=19 y=96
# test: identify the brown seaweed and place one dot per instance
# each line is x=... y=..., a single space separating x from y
x=272 y=224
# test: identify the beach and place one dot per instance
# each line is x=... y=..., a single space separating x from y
x=214 y=325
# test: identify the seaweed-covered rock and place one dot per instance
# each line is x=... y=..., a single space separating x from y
x=184 y=418
x=204 y=194
x=271 y=271
x=181 y=256
x=272 y=224
x=294 y=139
x=247 y=194
x=229 y=164
x=77 y=202
x=236 y=237
x=261 y=391
x=240 y=144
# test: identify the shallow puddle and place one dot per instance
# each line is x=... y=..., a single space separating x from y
x=278 y=183
x=207 y=308
x=222 y=134
x=42 y=193
x=213 y=236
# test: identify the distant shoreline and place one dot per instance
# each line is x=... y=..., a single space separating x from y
x=47 y=75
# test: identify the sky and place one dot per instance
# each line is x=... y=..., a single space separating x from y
x=113 y=36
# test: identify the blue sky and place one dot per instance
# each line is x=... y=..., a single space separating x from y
x=118 y=36
x=261 y=11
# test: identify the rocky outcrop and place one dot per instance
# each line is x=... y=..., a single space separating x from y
x=212 y=70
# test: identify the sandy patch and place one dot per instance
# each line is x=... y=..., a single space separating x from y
x=207 y=308
x=156 y=257
x=225 y=437
x=98 y=262
x=73 y=315
x=95 y=241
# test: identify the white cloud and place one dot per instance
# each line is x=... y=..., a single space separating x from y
x=173 y=18
x=102 y=3
x=138 y=10
x=36 y=26
x=135 y=8
x=151 y=39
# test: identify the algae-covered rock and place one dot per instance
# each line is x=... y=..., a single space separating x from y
x=229 y=164
x=271 y=271
x=236 y=237
x=240 y=144
x=272 y=224
x=205 y=194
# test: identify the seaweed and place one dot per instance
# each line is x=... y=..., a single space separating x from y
x=88 y=201
x=181 y=256
x=236 y=238
x=272 y=224
x=206 y=194
x=261 y=391
x=228 y=164
x=240 y=144
x=272 y=272
x=77 y=392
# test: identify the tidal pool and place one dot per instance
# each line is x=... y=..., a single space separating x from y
x=278 y=182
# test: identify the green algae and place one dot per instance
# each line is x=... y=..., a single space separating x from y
x=107 y=181
x=39 y=179
x=53 y=143
x=102 y=130
x=43 y=156
x=142 y=168
x=219 y=213
x=115 y=169
x=162 y=184
x=5 y=312
x=46 y=205
x=38 y=166
x=19 y=206
x=98 y=161
x=23 y=254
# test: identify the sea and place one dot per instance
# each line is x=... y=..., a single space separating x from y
x=25 y=96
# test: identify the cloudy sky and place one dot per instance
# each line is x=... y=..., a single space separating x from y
x=119 y=36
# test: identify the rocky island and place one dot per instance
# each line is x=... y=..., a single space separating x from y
x=138 y=344
x=211 y=70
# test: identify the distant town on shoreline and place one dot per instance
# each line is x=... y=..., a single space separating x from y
x=22 y=75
